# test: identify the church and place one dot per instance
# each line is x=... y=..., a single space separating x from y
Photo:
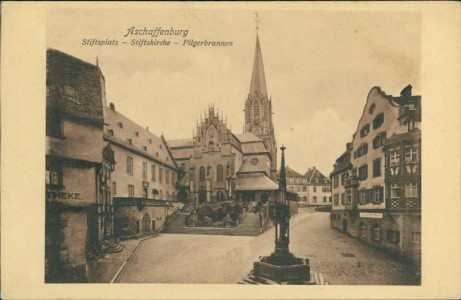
x=217 y=165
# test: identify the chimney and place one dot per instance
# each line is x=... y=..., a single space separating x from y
x=112 y=106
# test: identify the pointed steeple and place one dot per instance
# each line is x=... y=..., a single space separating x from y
x=258 y=79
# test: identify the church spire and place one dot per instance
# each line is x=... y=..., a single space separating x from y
x=258 y=79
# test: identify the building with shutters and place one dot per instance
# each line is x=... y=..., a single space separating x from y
x=313 y=188
x=376 y=182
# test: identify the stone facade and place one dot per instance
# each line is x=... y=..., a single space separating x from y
x=377 y=181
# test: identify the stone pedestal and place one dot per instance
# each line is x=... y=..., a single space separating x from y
x=283 y=274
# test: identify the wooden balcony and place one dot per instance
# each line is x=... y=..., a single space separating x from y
x=351 y=182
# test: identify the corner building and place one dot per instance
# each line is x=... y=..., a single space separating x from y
x=377 y=180
x=78 y=167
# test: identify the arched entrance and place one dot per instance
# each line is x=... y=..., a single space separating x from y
x=264 y=197
x=220 y=196
x=146 y=224
x=202 y=197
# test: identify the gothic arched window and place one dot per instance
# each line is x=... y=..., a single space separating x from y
x=202 y=173
x=219 y=173
x=257 y=110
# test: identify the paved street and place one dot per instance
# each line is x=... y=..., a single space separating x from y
x=177 y=258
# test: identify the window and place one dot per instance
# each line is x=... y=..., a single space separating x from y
x=335 y=181
x=192 y=173
x=365 y=130
x=161 y=195
x=53 y=124
x=393 y=236
x=150 y=141
x=130 y=141
x=394 y=157
x=336 y=199
x=411 y=190
x=326 y=189
x=378 y=121
x=411 y=155
x=395 y=190
x=152 y=172
x=362 y=150
x=324 y=199
x=363 y=172
x=329 y=199
x=144 y=193
x=315 y=189
x=314 y=199
x=343 y=198
x=256 y=110
x=377 y=167
x=372 y=109
x=69 y=92
x=114 y=188
x=202 y=174
x=343 y=178
x=363 y=230
x=377 y=232
x=304 y=189
x=219 y=173
x=364 y=197
x=349 y=196
x=129 y=165
x=416 y=237
x=167 y=177
x=53 y=175
x=377 y=195
x=145 y=148
x=160 y=175
x=144 y=170
x=111 y=132
x=136 y=133
x=130 y=190
x=120 y=124
x=173 y=178
x=379 y=140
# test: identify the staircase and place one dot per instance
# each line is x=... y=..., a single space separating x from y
x=248 y=227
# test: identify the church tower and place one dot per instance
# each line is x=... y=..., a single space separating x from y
x=258 y=109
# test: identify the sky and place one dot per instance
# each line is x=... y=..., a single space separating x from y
x=319 y=67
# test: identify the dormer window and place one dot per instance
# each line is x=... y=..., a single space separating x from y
x=120 y=124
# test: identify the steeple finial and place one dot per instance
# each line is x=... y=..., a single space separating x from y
x=257 y=22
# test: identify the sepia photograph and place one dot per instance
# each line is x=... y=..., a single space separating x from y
x=236 y=147
x=239 y=145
